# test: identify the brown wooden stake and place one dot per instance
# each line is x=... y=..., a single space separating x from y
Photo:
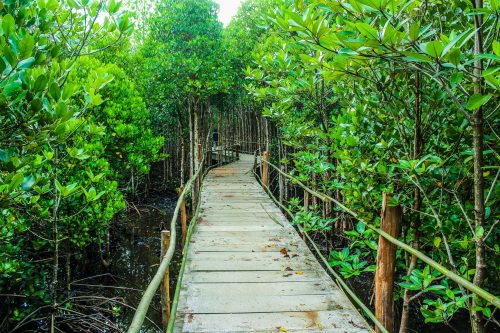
x=255 y=162
x=183 y=217
x=200 y=156
x=165 y=292
x=306 y=209
x=265 y=169
x=237 y=151
x=386 y=261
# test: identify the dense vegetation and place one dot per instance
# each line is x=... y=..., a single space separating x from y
x=355 y=98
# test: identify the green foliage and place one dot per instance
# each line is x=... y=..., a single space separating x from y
x=349 y=264
x=129 y=144
x=59 y=179
x=381 y=96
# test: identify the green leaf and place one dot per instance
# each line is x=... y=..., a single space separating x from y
x=486 y=312
x=41 y=83
x=74 y=4
x=488 y=56
x=455 y=79
x=454 y=56
x=12 y=88
x=450 y=294
x=437 y=241
x=55 y=91
x=8 y=24
x=26 y=63
x=16 y=181
x=434 y=48
x=496 y=48
x=418 y=57
x=28 y=182
x=477 y=100
x=26 y=46
x=367 y=30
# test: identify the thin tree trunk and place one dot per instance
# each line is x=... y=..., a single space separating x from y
x=55 y=237
x=478 y=144
x=417 y=202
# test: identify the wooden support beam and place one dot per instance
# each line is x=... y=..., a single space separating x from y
x=165 y=288
x=183 y=217
x=386 y=262
x=265 y=169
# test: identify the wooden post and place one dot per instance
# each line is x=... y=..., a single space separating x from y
x=265 y=169
x=306 y=201
x=255 y=162
x=200 y=157
x=165 y=288
x=237 y=147
x=386 y=262
x=183 y=216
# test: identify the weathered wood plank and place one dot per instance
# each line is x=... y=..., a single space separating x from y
x=253 y=276
x=338 y=321
x=259 y=303
x=249 y=271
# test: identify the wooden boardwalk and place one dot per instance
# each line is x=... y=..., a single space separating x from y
x=249 y=271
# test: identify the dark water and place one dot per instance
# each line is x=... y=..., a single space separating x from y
x=134 y=259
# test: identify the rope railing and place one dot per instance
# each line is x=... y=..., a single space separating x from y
x=192 y=223
x=343 y=286
x=153 y=286
x=494 y=300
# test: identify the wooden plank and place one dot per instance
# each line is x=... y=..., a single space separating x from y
x=258 y=303
x=253 y=276
x=338 y=321
x=248 y=270
x=250 y=289
x=298 y=322
x=233 y=262
x=240 y=228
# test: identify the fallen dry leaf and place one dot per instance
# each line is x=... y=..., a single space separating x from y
x=282 y=329
x=284 y=252
x=299 y=273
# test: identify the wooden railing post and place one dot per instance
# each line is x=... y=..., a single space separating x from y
x=265 y=169
x=183 y=216
x=165 y=290
x=386 y=262
x=255 y=162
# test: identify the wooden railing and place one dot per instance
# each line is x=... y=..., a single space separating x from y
x=264 y=179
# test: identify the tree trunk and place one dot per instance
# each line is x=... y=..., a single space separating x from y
x=417 y=202
x=478 y=145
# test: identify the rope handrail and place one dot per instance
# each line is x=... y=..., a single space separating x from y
x=494 y=300
x=153 y=286
x=343 y=286
x=192 y=223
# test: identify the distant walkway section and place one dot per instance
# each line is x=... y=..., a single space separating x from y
x=248 y=270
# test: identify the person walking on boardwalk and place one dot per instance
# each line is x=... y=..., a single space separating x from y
x=215 y=138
